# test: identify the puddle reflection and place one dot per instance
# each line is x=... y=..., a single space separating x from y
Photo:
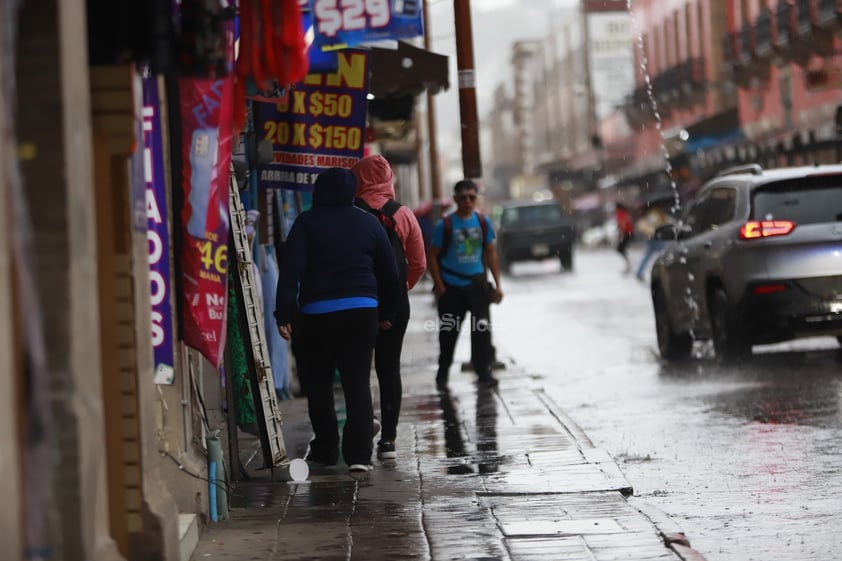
x=485 y=457
x=486 y=420
x=790 y=387
x=454 y=440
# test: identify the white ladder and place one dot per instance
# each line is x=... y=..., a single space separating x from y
x=268 y=414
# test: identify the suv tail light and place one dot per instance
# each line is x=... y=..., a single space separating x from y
x=766 y=229
x=764 y=289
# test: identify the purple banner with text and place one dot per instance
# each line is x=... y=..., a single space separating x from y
x=158 y=232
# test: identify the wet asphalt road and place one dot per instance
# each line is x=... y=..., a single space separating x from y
x=748 y=460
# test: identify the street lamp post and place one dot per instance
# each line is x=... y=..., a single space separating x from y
x=471 y=164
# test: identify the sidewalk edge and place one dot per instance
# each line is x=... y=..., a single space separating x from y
x=609 y=466
x=671 y=533
x=669 y=530
x=571 y=426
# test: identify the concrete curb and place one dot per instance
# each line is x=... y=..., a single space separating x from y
x=582 y=439
x=592 y=454
x=672 y=534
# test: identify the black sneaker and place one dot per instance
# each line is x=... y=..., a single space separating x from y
x=488 y=382
x=386 y=450
x=323 y=459
x=441 y=384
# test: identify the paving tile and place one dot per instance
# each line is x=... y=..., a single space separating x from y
x=486 y=475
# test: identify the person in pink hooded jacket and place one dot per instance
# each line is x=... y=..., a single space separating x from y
x=376 y=193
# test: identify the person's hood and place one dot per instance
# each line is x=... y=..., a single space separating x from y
x=334 y=187
x=375 y=180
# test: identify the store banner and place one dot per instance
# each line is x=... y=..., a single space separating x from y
x=157 y=232
x=353 y=22
x=320 y=61
x=206 y=124
x=320 y=125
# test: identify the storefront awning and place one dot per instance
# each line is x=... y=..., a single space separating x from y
x=407 y=70
x=696 y=143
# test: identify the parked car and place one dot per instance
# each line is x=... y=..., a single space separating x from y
x=602 y=235
x=532 y=231
x=756 y=259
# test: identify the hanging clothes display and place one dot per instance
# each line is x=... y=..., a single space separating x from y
x=277 y=345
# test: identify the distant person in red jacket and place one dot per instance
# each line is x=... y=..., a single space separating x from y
x=625 y=231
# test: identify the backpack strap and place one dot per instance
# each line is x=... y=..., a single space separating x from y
x=358 y=202
x=391 y=207
x=386 y=217
x=386 y=214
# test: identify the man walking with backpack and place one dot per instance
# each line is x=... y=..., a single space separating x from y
x=376 y=194
x=461 y=248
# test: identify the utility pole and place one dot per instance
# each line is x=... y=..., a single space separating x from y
x=435 y=167
x=471 y=164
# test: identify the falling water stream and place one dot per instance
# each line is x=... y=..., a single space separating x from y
x=653 y=103
x=676 y=209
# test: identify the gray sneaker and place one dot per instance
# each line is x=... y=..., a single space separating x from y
x=359 y=469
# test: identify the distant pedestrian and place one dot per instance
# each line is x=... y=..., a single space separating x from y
x=648 y=224
x=339 y=272
x=625 y=232
x=376 y=194
x=462 y=244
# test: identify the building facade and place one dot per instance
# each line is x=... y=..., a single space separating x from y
x=585 y=74
x=638 y=103
x=502 y=158
x=105 y=454
x=785 y=59
x=684 y=101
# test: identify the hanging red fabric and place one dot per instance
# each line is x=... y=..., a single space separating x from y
x=272 y=49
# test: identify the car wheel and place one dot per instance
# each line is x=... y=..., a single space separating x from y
x=566 y=259
x=672 y=346
x=728 y=342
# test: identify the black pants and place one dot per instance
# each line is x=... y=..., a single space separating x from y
x=453 y=306
x=340 y=340
x=623 y=244
x=387 y=363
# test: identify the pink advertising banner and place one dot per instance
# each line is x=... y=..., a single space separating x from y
x=206 y=117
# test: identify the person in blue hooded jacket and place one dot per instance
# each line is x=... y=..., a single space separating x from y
x=338 y=271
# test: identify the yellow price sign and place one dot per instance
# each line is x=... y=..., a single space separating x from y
x=214 y=260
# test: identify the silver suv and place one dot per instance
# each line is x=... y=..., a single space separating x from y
x=757 y=258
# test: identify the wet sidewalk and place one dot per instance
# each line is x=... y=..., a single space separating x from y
x=484 y=474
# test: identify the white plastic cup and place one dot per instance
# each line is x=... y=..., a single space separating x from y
x=295 y=471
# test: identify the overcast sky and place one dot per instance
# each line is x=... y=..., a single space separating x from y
x=496 y=25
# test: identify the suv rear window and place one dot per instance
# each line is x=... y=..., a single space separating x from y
x=811 y=200
x=538 y=214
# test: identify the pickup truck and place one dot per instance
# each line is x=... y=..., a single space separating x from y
x=533 y=231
